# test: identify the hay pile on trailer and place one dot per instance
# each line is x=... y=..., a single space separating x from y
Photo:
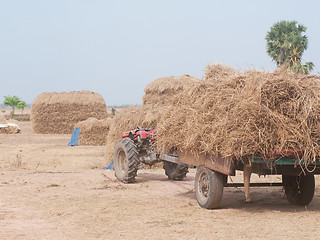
x=161 y=90
x=59 y=112
x=93 y=131
x=218 y=72
x=128 y=119
x=245 y=113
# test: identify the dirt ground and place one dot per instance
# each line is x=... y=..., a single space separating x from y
x=51 y=191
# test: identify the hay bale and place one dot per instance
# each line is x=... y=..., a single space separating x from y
x=93 y=131
x=128 y=119
x=9 y=128
x=161 y=90
x=59 y=112
x=245 y=113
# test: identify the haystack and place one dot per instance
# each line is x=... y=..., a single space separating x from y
x=93 y=131
x=59 y=112
x=245 y=113
x=9 y=128
x=161 y=90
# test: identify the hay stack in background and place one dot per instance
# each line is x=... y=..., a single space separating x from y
x=161 y=90
x=93 y=131
x=59 y=112
x=245 y=113
x=128 y=119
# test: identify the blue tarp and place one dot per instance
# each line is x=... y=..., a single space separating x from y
x=110 y=166
x=75 y=137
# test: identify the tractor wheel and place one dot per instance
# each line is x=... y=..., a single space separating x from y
x=175 y=171
x=299 y=189
x=208 y=187
x=125 y=160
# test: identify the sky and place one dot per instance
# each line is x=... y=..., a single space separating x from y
x=116 y=48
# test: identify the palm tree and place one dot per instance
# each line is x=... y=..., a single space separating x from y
x=286 y=44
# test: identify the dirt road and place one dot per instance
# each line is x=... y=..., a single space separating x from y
x=51 y=191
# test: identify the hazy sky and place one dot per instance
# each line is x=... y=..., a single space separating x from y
x=117 y=47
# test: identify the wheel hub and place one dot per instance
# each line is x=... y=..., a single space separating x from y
x=204 y=185
x=122 y=160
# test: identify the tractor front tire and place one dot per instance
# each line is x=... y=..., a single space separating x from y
x=209 y=187
x=125 y=160
x=175 y=171
x=299 y=189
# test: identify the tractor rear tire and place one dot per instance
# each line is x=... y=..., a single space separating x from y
x=299 y=189
x=209 y=187
x=125 y=160
x=175 y=171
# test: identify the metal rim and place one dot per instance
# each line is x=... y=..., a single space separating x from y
x=123 y=161
x=203 y=185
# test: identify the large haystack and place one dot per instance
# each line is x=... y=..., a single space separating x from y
x=128 y=119
x=161 y=90
x=245 y=113
x=59 y=112
x=93 y=131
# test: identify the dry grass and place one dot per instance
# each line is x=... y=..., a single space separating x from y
x=245 y=113
x=238 y=114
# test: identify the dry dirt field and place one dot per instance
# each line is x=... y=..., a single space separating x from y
x=51 y=191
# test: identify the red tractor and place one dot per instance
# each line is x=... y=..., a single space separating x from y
x=138 y=146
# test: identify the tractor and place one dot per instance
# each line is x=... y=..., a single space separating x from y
x=138 y=146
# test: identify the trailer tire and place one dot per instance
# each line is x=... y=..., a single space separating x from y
x=299 y=189
x=208 y=187
x=125 y=160
x=175 y=171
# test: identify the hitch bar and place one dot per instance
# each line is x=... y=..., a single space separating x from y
x=159 y=157
x=168 y=158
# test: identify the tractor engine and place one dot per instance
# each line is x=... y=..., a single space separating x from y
x=143 y=138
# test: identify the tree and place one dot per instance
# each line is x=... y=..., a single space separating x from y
x=11 y=101
x=286 y=43
x=22 y=105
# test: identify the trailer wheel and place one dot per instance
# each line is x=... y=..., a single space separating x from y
x=125 y=160
x=175 y=171
x=299 y=189
x=208 y=187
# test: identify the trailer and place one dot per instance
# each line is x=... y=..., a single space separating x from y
x=138 y=146
x=213 y=171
